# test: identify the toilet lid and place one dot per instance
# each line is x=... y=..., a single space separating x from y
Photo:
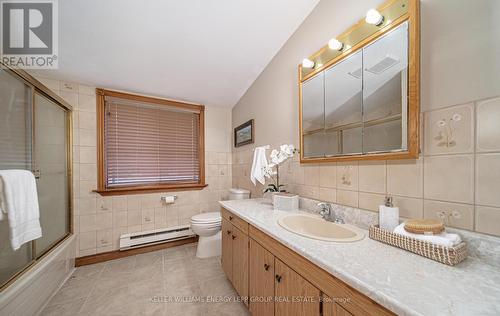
x=210 y=217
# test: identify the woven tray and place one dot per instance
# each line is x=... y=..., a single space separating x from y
x=447 y=255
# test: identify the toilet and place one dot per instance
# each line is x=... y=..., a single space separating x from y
x=208 y=227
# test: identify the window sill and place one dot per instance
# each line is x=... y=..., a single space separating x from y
x=151 y=189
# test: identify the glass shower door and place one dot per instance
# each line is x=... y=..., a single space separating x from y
x=15 y=153
x=50 y=150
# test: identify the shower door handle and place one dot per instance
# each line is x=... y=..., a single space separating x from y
x=36 y=173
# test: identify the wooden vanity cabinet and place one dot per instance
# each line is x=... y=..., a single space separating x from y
x=295 y=296
x=331 y=308
x=234 y=258
x=262 y=278
x=275 y=289
x=227 y=249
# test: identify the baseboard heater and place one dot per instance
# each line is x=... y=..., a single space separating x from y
x=152 y=237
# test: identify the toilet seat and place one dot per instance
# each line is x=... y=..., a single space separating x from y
x=206 y=219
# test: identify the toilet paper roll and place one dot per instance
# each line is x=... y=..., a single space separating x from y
x=168 y=199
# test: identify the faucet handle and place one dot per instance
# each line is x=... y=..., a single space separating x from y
x=324 y=209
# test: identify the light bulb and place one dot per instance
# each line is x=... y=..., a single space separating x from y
x=335 y=44
x=374 y=17
x=307 y=63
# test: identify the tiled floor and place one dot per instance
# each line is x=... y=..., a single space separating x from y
x=147 y=284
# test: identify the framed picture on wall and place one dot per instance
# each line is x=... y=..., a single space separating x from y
x=243 y=134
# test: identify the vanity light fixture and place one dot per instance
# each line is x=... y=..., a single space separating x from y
x=374 y=17
x=335 y=44
x=307 y=63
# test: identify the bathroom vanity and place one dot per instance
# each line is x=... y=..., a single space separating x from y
x=284 y=273
x=279 y=281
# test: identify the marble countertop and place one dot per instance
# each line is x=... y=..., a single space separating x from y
x=403 y=282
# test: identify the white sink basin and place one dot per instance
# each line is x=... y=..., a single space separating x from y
x=318 y=228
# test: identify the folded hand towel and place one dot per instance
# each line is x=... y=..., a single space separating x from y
x=258 y=165
x=20 y=203
x=443 y=239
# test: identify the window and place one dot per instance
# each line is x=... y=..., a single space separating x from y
x=148 y=144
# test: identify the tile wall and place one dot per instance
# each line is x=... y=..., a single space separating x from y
x=99 y=221
x=456 y=178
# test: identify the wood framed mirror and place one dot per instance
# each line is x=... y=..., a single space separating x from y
x=359 y=95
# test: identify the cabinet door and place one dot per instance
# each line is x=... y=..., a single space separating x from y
x=294 y=294
x=331 y=308
x=261 y=289
x=227 y=249
x=240 y=262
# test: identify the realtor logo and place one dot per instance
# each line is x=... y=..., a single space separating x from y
x=29 y=34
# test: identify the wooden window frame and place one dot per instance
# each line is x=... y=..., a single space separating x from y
x=146 y=188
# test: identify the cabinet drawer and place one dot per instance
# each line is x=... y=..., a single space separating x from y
x=235 y=220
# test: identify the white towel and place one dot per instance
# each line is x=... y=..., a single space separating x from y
x=443 y=239
x=258 y=165
x=20 y=204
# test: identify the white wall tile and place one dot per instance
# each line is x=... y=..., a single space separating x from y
x=488 y=179
x=372 y=177
x=405 y=177
x=449 y=178
x=487 y=220
x=488 y=121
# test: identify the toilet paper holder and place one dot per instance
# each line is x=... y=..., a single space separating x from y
x=164 y=198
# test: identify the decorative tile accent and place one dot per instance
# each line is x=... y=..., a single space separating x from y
x=451 y=214
x=488 y=120
x=449 y=130
x=347 y=175
x=449 y=178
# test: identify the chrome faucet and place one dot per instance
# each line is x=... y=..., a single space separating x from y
x=327 y=213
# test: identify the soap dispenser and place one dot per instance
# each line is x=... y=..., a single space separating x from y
x=388 y=215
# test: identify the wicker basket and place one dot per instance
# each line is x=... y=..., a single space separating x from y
x=447 y=255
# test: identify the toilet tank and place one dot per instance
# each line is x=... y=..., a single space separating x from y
x=238 y=194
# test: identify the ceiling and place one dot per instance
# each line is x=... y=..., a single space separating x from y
x=208 y=52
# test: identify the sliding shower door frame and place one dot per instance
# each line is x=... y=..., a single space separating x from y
x=38 y=87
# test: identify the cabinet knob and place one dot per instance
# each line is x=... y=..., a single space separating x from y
x=228 y=232
x=230 y=218
x=234 y=237
x=266 y=266
x=278 y=278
